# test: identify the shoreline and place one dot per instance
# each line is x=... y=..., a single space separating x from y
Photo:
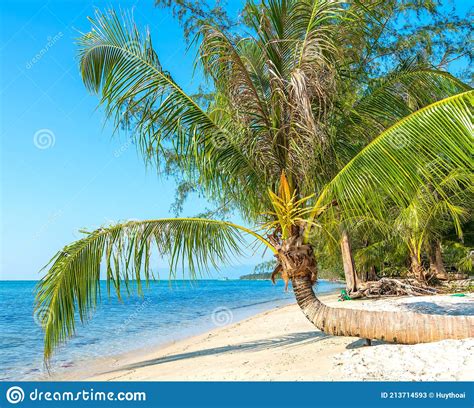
x=83 y=368
x=165 y=314
x=281 y=345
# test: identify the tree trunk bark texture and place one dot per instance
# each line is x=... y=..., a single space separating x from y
x=297 y=262
x=393 y=327
x=436 y=261
x=348 y=263
x=416 y=268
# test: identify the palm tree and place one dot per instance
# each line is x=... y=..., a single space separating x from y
x=420 y=226
x=288 y=141
x=421 y=223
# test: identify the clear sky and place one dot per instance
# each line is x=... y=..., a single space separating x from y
x=73 y=174
x=61 y=169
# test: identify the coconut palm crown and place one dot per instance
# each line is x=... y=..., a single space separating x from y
x=292 y=135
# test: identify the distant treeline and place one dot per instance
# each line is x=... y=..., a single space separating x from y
x=257 y=276
x=264 y=271
x=261 y=271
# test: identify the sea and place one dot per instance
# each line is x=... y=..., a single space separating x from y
x=168 y=311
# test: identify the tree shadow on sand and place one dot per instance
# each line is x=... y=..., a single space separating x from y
x=294 y=339
x=361 y=343
x=454 y=309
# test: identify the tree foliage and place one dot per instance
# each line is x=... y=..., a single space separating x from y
x=293 y=139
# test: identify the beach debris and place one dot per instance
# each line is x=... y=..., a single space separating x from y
x=344 y=296
x=393 y=287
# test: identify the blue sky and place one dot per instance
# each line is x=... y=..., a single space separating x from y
x=74 y=174
x=61 y=168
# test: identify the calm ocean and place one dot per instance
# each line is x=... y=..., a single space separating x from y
x=167 y=312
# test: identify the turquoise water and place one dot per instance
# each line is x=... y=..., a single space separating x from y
x=167 y=312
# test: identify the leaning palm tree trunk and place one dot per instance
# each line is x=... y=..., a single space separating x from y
x=348 y=263
x=436 y=261
x=298 y=262
x=282 y=105
x=393 y=327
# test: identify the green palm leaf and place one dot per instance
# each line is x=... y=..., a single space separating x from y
x=388 y=100
x=71 y=284
x=231 y=69
x=401 y=93
x=285 y=101
x=421 y=149
x=121 y=64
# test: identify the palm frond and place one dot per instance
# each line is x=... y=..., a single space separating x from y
x=416 y=151
x=388 y=100
x=121 y=64
x=123 y=252
x=116 y=60
x=231 y=67
x=402 y=92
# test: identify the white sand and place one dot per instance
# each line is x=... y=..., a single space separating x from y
x=448 y=360
x=282 y=345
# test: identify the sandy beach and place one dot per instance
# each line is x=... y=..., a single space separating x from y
x=281 y=345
